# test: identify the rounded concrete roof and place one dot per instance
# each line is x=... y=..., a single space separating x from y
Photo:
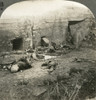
x=68 y=9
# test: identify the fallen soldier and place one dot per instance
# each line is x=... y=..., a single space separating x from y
x=21 y=64
x=51 y=65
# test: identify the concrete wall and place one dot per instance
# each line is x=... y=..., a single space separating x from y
x=56 y=31
x=14 y=36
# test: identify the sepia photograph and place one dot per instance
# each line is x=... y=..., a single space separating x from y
x=47 y=49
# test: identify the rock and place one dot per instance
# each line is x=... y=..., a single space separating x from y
x=45 y=42
x=14 y=68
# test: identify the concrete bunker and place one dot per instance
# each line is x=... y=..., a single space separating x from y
x=52 y=19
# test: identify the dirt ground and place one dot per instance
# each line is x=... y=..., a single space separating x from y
x=73 y=79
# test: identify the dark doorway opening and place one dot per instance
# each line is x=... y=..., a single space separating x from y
x=70 y=37
x=17 y=44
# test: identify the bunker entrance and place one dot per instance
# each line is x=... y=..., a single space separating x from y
x=17 y=43
x=72 y=29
